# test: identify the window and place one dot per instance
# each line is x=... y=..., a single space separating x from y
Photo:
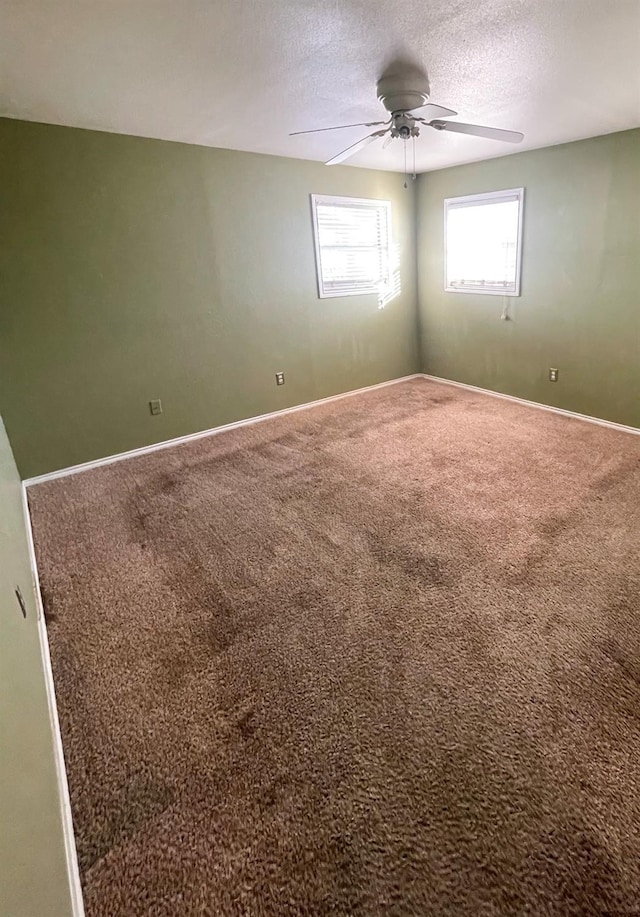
x=353 y=246
x=483 y=242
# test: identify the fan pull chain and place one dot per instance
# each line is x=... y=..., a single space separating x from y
x=413 y=176
x=404 y=144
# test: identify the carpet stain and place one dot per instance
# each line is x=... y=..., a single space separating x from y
x=630 y=664
x=133 y=805
x=428 y=569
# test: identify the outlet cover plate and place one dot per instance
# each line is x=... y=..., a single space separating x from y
x=280 y=378
x=553 y=374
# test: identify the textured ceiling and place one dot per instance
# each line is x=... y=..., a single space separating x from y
x=241 y=74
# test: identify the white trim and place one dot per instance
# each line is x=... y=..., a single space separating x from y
x=73 y=873
x=189 y=437
x=474 y=200
x=620 y=427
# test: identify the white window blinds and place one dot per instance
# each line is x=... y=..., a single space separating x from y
x=353 y=245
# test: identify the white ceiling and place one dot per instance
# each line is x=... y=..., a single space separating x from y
x=241 y=74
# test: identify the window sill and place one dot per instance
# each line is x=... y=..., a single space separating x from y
x=481 y=292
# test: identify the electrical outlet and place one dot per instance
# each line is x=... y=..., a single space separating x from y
x=553 y=375
x=279 y=378
x=155 y=406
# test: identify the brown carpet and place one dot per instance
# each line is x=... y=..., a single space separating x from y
x=381 y=657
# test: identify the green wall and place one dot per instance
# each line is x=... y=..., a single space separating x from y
x=133 y=269
x=580 y=303
x=33 y=877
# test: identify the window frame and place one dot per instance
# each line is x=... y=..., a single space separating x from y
x=319 y=199
x=483 y=198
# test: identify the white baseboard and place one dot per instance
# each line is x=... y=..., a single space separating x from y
x=73 y=873
x=189 y=437
x=620 y=427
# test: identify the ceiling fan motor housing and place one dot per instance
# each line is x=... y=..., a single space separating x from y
x=398 y=93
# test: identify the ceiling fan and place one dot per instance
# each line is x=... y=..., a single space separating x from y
x=402 y=99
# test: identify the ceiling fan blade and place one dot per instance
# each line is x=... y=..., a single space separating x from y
x=431 y=110
x=340 y=127
x=491 y=133
x=350 y=150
